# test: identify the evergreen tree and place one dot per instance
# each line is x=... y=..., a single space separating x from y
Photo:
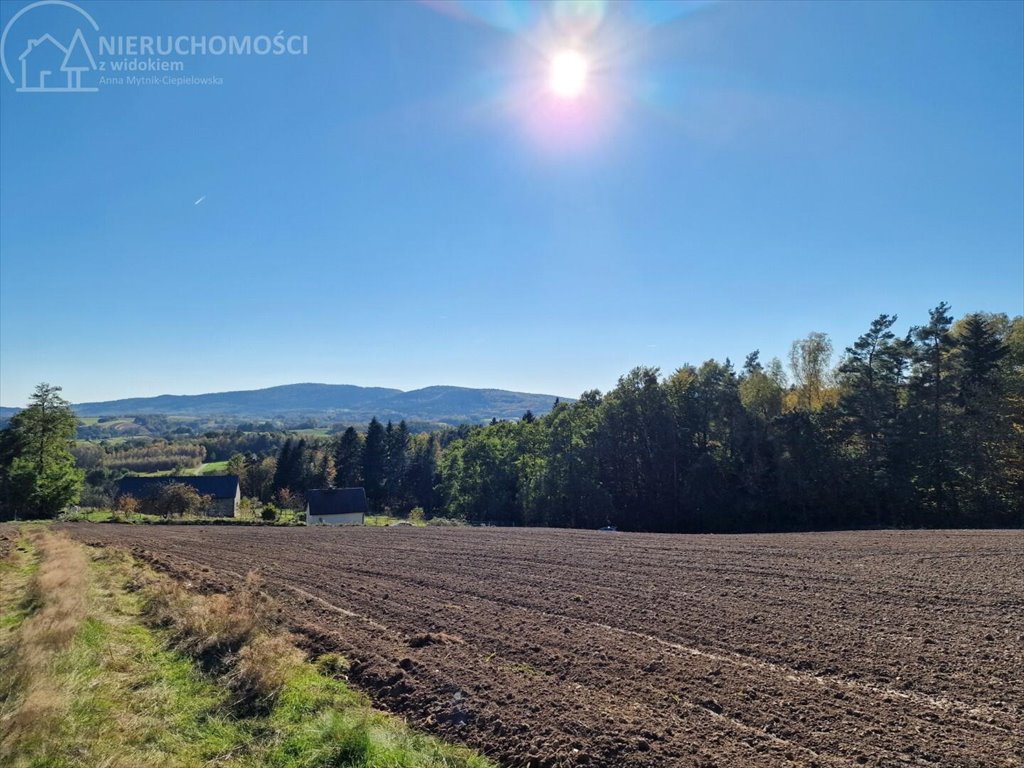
x=989 y=441
x=396 y=446
x=38 y=476
x=981 y=353
x=259 y=477
x=348 y=460
x=284 y=463
x=374 y=456
x=872 y=380
x=292 y=470
x=932 y=411
x=299 y=471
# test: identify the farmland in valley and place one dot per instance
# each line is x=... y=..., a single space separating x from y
x=566 y=648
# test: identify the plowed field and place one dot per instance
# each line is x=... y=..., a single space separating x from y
x=573 y=648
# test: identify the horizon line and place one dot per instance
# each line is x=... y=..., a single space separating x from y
x=312 y=383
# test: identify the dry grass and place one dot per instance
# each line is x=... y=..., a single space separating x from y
x=32 y=701
x=262 y=668
x=236 y=635
x=59 y=588
x=434 y=638
x=210 y=626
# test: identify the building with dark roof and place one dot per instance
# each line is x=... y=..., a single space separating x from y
x=336 y=506
x=223 y=490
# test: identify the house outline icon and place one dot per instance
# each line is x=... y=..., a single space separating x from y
x=71 y=65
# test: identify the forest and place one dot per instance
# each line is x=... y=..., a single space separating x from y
x=925 y=429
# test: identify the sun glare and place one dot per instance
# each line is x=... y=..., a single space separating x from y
x=568 y=74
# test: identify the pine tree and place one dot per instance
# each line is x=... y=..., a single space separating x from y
x=348 y=460
x=872 y=379
x=374 y=454
x=752 y=363
x=292 y=471
x=932 y=409
x=396 y=445
x=284 y=463
x=299 y=468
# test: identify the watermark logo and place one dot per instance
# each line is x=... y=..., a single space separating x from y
x=77 y=59
x=47 y=65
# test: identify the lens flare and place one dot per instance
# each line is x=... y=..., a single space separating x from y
x=568 y=75
x=577 y=17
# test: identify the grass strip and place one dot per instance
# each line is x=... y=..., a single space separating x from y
x=105 y=662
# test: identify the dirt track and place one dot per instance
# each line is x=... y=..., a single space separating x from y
x=559 y=648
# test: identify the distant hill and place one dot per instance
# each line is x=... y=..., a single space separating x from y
x=335 y=402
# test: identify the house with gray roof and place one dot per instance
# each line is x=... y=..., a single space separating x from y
x=223 y=490
x=336 y=506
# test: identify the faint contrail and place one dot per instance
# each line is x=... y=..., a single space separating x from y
x=197 y=202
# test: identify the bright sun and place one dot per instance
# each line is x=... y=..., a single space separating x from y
x=568 y=74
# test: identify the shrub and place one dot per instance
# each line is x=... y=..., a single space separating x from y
x=417 y=515
x=94 y=497
x=246 y=508
x=269 y=513
x=288 y=500
x=127 y=506
x=333 y=665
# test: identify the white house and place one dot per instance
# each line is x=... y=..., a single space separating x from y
x=336 y=506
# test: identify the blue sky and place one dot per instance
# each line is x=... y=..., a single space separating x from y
x=409 y=204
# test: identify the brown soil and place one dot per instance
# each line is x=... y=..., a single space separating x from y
x=575 y=648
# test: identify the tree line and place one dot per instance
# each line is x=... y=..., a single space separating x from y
x=151 y=456
x=924 y=429
x=397 y=469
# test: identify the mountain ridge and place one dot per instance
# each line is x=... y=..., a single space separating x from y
x=441 y=403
